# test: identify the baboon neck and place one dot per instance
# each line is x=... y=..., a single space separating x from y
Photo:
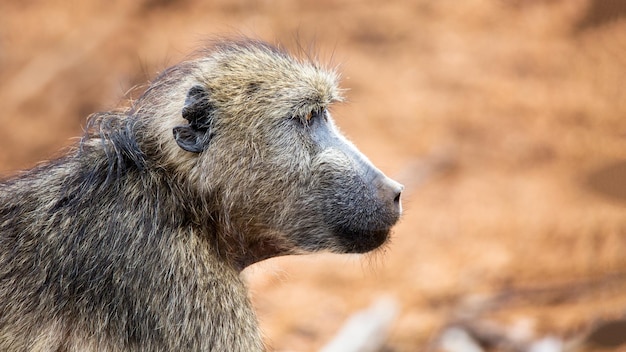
x=257 y=249
x=125 y=247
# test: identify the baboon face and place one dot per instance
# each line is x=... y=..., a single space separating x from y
x=283 y=172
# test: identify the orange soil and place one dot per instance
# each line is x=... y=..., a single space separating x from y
x=506 y=121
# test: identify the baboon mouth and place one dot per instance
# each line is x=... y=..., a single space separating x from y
x=361 y=241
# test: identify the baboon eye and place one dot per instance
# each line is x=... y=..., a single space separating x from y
x=315 y=114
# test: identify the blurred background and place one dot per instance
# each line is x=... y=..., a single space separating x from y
x=505 y=120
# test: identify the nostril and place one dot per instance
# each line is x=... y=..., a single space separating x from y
x=396 y=200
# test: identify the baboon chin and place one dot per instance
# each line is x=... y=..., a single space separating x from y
x=134 y=239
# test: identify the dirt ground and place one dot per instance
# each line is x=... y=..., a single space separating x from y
x=505 y=120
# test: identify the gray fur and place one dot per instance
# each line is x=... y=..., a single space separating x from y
x=134 y=239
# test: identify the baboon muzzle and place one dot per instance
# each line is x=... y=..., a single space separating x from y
x=365 y=202
x=388 y=191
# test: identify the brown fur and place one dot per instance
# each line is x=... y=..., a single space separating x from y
x=134 y=240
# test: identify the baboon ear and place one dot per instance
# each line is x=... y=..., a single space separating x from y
x=198 y=110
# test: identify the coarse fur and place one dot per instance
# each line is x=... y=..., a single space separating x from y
x=135 y=238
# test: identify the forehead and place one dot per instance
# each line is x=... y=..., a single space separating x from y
x=257 y=75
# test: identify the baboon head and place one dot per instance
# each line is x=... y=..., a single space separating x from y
x=258 y=138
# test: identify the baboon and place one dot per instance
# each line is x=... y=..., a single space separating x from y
x=133 y=240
